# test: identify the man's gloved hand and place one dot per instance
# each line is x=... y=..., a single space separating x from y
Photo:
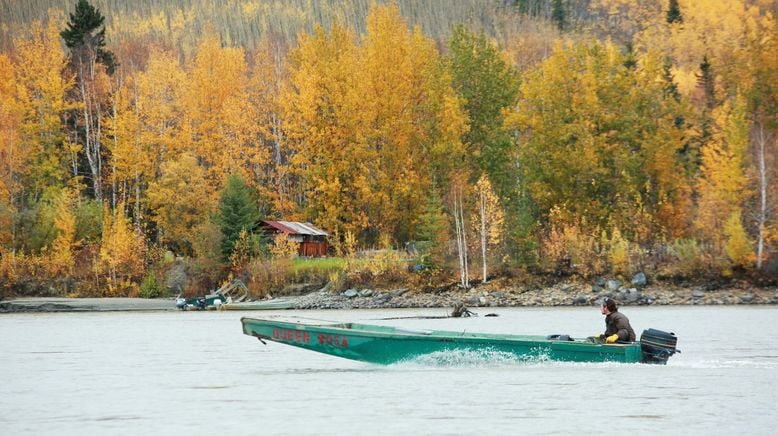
x=611 y=339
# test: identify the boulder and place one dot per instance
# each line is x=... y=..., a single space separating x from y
x=580 y=300
x=648 y=299
x=639 y=279
x=472 y=301
x=382 y=298
x=632 y=295
x=176 y=277
x=613 y=285
x=350 y=293
x=398 y=292
x=697 y=293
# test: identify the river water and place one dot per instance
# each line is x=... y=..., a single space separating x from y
x=196 y=373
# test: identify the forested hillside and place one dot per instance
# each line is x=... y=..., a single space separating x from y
x=457 y=140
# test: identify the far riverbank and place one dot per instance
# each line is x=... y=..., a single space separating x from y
x=483 y=296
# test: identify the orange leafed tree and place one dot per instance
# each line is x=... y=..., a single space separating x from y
x=60 y=259
x=122 y=251
x=42 y=87
x=411 y=120
x=264 y=168
x=217 y=117
x=326 y=158
x=11 y=153
x=722 y=186
x=159 y=93
x=370 y=125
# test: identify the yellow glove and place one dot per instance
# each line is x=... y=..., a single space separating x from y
x=611 y=339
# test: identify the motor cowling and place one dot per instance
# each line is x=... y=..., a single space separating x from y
x=657 y=346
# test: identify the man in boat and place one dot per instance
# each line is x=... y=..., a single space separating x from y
x=617 y=327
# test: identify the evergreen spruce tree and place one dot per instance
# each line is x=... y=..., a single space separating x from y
x=674 y=12
x=85 y=34
x=705 y=80
x=629 y=56
x=558 y=15
x=85 y=37
x=691 y=152
x=432 y=232
x=671 y=89
x=238 y=211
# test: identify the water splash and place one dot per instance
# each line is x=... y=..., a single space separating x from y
x=463 y=359
x=483 y=358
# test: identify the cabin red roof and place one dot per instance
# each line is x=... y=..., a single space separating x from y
x=296 y=228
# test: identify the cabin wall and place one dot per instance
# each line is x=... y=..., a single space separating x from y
x=313 y=249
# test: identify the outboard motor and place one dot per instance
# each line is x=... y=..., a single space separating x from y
x=657 y=346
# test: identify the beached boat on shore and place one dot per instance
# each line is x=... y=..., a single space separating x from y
x=386 y=345
x=231 y=293
x=274 y=304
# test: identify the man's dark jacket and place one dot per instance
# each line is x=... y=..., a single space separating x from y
x=617 y=323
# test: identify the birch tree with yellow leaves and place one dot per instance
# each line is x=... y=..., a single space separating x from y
x=722 y=187
x=11 y=152
x=43 y=84
x=415 y=118
x=91 y=64
x=330 y=164
x=180 y=201
x=60 y=254
x=122 y=252
x=218 y=122
x=489 y=220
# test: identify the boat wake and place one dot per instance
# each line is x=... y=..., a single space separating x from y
x=759 y=362
x=471 y=358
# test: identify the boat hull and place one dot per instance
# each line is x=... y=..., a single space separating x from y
x=387 y=345
x=279 y=304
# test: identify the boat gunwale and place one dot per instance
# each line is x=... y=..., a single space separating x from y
x=437 y=335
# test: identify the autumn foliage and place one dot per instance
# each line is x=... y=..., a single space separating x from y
x=605 y=138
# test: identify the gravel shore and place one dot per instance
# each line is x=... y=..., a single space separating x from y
x=564 y=294
x=50 y=304
x=559 y=295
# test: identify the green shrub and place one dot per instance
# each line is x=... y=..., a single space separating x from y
x=150 y=288
x=89 y=221
x=692 y=259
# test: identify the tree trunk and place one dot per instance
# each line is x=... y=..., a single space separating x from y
x=482 y=198
x=762 y=217
x=459 y=224
x=137 y=202
x=91 y=113
x=460 y=250
x=114 y=112
x=464 y=240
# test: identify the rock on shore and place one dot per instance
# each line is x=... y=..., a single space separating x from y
x=565 y=294
x=491 y=295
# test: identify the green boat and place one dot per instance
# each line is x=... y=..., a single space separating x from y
x=387 y=345
x=231 y=293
